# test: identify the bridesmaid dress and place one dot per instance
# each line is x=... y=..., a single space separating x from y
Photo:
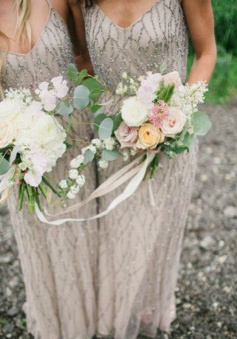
x=140 y=245
x=58 y=263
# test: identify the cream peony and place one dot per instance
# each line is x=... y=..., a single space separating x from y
x=134 y=113
x=9 y=109
x=149 y=136
x=174 y=123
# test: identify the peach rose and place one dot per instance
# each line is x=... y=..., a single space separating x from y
x=149 y=136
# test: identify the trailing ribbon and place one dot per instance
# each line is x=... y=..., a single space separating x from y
x=136 y=173
x=4 y=183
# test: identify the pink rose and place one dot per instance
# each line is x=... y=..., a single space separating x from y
x=172 y=78
x=127 y=136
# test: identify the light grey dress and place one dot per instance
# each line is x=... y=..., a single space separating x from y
x=59 y=264
x=140 y=245
x=114 y=277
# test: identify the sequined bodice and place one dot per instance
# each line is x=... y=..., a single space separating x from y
x=48 y=58
x=157 y=40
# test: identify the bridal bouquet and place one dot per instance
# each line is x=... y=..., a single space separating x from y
x=158 y=114
x=31 y=138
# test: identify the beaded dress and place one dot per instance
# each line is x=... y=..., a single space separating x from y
x=140 y=245
x=58 y=263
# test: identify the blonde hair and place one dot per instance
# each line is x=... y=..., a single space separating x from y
x=23 y=32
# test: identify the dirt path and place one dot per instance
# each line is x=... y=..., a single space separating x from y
x=206 y=293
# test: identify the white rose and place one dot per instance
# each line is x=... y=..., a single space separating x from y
x=9 y=109
x=48 y=130
x=174 y=123
x=134 y=113
x=7 y=133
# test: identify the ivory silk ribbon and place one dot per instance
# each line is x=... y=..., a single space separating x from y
x=4 y=184
x=136 y=173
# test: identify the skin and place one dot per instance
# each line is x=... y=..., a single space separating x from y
x=69 y=10
x=201 y=27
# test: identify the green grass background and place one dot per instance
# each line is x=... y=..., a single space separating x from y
x=223 y=85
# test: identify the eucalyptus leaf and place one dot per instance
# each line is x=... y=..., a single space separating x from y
x=98 y=119
x=4 y=165
x=95 y=108
x=98 y=112
x=81 y=75
x=110 y=155
x=201 y=123
x=88 y=157
x=94 y=87
x=64 y=108
x=188 y=139
x=106 y=128
x=117 y=119
x=72 y=72
x=81 y=97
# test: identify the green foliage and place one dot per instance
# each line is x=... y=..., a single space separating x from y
x=225 y=13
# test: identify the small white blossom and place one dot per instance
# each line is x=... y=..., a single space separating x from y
x=96 y=143
x=125 y=156
x=103 y=163
x=81 y=180
x=73 y=174
x=92 y=148
x=109 y=144
x=124 y=75
x=75 y=163
x=63 y=184
x=70 y=195
x=133 y=151
x=74 y=189
x=80 y=158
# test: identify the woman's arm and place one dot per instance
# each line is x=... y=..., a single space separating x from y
x=199 y=17
x=77 y=28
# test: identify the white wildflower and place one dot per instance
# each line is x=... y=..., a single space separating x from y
x=75 y=163
x=96 y=142
x=92 y=148
x=73 y=174
x=74 y=189
x=63 y=184
x=81 y=180
x=103 y=163
x=70 y=195
x=109 y=144
x=125 y=156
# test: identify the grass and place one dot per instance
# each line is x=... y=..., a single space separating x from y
x=223 y=85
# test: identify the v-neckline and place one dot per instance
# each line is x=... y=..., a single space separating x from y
x=157 y=2
x=38 y=40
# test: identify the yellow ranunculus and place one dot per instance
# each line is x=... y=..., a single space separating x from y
x=149 y=136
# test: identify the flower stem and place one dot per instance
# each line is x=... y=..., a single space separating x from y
x=22 y=189
x=50 y=186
